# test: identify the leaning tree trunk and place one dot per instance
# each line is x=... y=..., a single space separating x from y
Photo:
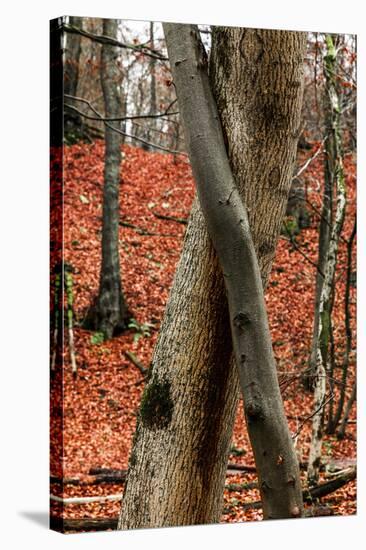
x=109 y=313
x=179 y=458
x=228 y=226
x=326 y=295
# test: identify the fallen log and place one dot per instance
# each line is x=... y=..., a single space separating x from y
x=241 y=486
x=83 y=524
x=241 y=467
x=103 y=524
x=328 y=487
x=110 y=476
x=85 y=500
x=319 y=491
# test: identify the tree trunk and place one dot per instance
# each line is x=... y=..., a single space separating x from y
x=347 y=315
x=342 y=428
x=153 y=103
x=323 y=246
x=109 y=313
x=178 y=463
x=228 y=226
x=326 y=295
x=72 y=121
x=72 y=56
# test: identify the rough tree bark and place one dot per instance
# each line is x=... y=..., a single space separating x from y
x=178 y=463
x=109 y=313
x=326 y=295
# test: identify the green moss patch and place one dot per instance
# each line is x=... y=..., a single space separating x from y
x=156 y=405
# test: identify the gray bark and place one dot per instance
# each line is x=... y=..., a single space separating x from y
x=109 y=313
x=228 y=226
x=177 y=468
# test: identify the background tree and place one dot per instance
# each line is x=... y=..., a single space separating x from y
x=337 y=180
x=109 y=314
x=72 y=121
x=178 y=462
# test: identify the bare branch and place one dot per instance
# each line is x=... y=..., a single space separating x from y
x=325 y=402
x=310 y=159
x=299 y=249
x=154 y=145
x=116 y=119
x=113 y=42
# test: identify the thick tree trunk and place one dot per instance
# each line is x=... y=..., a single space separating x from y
x=326 y=295
x=178 y=465
x=109 y=313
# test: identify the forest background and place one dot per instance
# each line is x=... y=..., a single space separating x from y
x=25 y=267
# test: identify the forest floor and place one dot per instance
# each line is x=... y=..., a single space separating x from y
x=94 y=425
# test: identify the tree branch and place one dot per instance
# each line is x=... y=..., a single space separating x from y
x=113 y=42
x=100 y=117
x=116 y=119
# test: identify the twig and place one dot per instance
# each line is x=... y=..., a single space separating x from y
x=184 y=221
x=298 y=248
x=142 y=231
x=312 y=415
x=132 y=357
x=309 y=160
x=115 y=119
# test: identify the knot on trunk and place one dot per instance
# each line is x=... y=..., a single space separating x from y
x=241 y=320
x=254 y=409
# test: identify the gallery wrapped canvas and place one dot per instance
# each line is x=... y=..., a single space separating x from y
x=202 y=274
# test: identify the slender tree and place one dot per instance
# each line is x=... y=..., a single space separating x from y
x=178 y=462
x=153 y=102
x=109 y=313
x=326 y=295
x=72 y=120
x=336 y=418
